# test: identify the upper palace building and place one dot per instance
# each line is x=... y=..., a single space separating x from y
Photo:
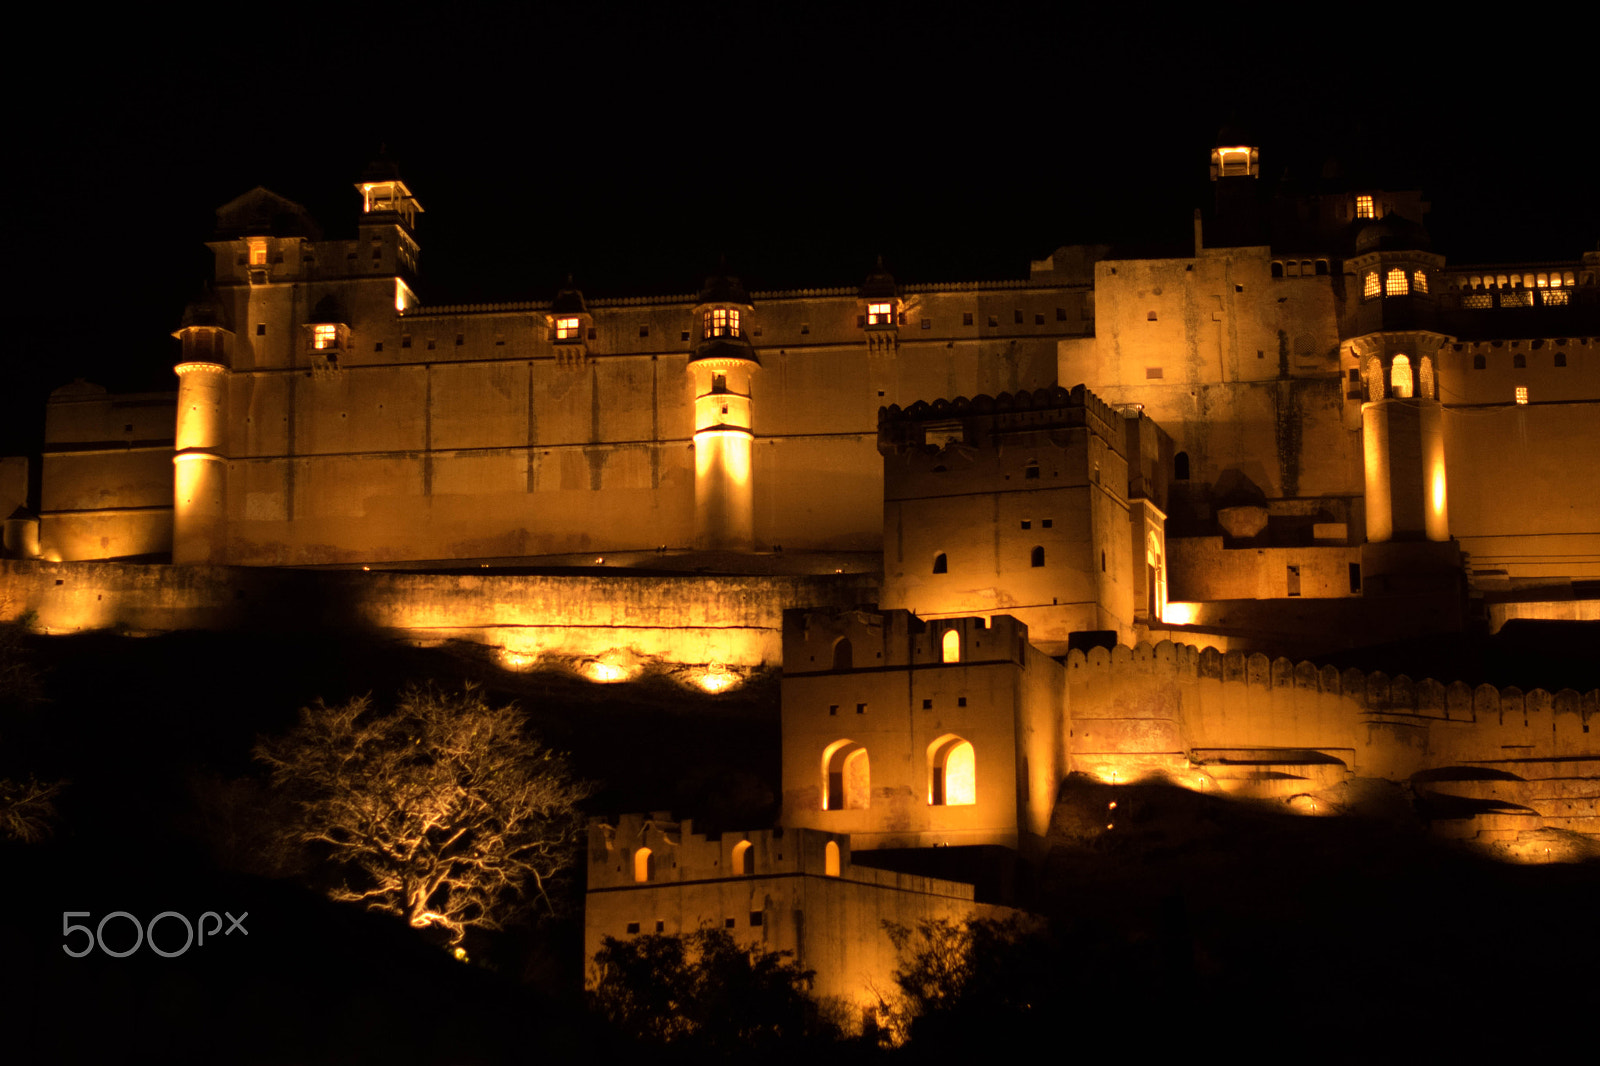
x=1311 y=403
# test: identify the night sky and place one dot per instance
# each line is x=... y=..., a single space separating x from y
x=632 y=150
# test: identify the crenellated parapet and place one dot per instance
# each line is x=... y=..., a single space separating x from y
x=1175 y=699
x=986 y=420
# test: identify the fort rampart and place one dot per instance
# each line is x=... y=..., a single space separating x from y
x=733 y=620
x=1226 y=719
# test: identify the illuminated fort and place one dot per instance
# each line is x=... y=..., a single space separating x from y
x=994 y=532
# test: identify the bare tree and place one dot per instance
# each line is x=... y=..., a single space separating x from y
x=445 y=812
x=28 y=808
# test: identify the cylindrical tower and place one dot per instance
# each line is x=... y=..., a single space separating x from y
x=721 y=368
x=200 y=474
x=1394 y=350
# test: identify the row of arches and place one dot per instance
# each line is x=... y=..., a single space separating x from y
x=952 y=778
x=1404 y=382
x=742 y=864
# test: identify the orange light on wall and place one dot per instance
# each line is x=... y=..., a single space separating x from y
x=1180 y=613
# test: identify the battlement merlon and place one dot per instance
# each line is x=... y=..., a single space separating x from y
x=985 y=420
x=642 y=851
x=829 y=640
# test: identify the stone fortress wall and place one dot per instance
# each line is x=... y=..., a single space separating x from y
x=1277 y=729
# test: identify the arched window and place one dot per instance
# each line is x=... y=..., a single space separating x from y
x=1180 y=466
x=1372 y=374
x=1277 y=269
x=842 y=658
x=644 y=865
x=1370 y=288
x=941 y=564
x=743 y=860
x=952 y=772
x=1419 y=281
x=1394 y=284
x=830 y=860
x=1037 y=556
x=1425 y=378
x=846 y=777
x=1400 y=378
x=951 y=646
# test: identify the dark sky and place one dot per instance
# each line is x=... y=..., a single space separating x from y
x=632 y=149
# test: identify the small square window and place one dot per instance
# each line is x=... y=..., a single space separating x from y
x=1153 y=373
x=994 y=321
x=961 y=701
x=1479 y=362
x=430 y=344
x=927 y=323
x=1026 y=524
x=1561 y=359
x=661 y=927
x=966 y=318
x=261 y=329
x=377 y=346
x=729 y=923
x=833 y=708
x=644 y=331
x=591 y=333
x=757 y=918
x=861 y=708
x=1061 y=314
x=633 y=927
x=461 y=338
x=405 y=342
x=1018 y=315
x=1048 y=522
x=861 y=321
x=684 y=335
x=805 y=327
x=927 y=705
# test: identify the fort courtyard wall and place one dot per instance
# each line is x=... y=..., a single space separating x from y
x=612 y=622
x=782 y=889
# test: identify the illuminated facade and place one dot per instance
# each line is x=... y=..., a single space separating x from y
x=1100 y=496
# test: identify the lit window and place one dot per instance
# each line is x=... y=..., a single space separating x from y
x=722 y=322
x=880 y=314
x=644 y=866
x=1400 y=378
x=1419 y=281
x=323 y=337
x=1394 y=284
x=950 y=646
x=567 y=329
x=1371 y=288
x=1522 y=394
x=1365 y=208
x=258 y=253
x=951 y=780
